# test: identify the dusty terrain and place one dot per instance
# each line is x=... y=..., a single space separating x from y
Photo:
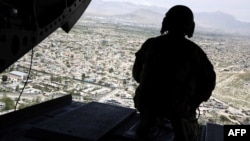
x=98 y=54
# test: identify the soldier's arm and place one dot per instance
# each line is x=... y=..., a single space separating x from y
x=207 y=76
x=139 y=61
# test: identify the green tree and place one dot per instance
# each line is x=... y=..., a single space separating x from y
x=83 y=76
x=38 y=54
x=124 y=82
x=9 y=103
x=224 y=118
x=68 y=64
x=17 y=88
x=4 y=78
x=247 y=120
x=111 y=70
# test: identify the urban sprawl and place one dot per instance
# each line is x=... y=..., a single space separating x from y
x=93 y=62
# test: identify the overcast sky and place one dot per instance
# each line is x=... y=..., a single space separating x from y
x=240 y=9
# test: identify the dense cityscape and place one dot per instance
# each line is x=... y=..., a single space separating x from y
x=93 y=62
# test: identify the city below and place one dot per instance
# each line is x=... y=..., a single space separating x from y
x=93 y=62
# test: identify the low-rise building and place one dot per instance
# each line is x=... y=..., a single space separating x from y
x=17 y=75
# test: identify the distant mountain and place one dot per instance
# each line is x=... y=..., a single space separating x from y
x=210 y=22
x=111 y=8
x=143 y=16
x=221 y=22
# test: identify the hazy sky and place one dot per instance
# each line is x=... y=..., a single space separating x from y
x=240 y=9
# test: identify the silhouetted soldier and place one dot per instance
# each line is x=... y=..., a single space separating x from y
x=175 y=76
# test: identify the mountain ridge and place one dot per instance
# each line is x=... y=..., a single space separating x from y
x=217 y=21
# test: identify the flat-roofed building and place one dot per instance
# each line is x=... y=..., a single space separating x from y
x=18 y=75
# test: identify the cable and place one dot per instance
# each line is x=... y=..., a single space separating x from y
x=5 y=137
x=19 y=97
